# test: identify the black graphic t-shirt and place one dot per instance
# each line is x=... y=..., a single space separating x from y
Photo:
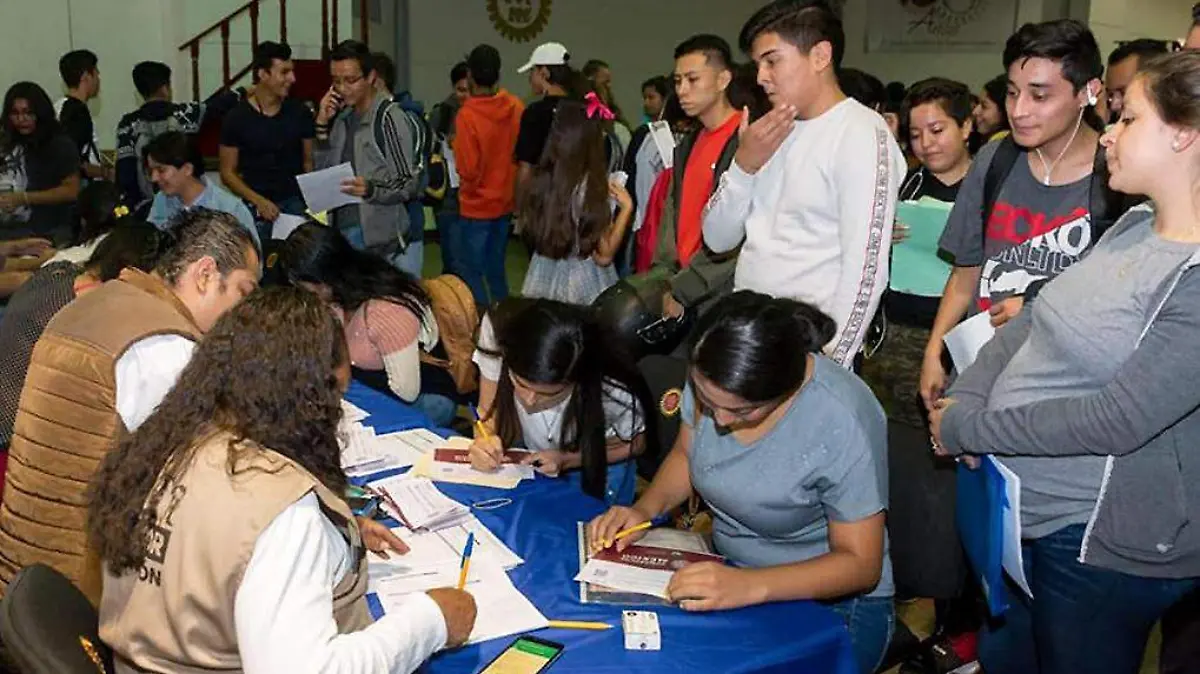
x=1034 y=232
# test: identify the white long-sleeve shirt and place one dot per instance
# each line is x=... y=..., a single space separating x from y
x=283 y=616
x=283 y=608
x=817 y=219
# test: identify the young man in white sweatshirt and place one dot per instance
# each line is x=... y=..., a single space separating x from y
x=813 y=186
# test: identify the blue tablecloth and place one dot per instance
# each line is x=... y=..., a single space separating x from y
x=794 y=637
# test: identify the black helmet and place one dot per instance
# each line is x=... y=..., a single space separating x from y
x=631 y=314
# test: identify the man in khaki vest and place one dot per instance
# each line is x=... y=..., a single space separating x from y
x=100 y=368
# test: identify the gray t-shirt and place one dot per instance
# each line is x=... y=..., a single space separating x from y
x=825 y=460
x=1035 y=232
x=1084 y=327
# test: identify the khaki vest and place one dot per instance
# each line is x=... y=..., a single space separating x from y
x=67 y=421
x=175 y=614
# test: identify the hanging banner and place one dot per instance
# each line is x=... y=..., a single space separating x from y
x=940 y=25
x=519 y=20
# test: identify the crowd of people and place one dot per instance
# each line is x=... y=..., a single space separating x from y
x=153 y=397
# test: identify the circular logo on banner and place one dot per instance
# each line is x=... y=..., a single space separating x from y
x=947 y=17
x=519 y=20
x=668 y=404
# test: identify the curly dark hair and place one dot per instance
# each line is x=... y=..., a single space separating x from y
x=235 y=383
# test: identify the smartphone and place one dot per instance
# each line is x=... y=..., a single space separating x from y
x=525 y=655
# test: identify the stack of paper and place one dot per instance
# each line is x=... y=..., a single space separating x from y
x=418 y=504
x=501 y=609
x=364 y=453
x=433 y=552
x=451 y=463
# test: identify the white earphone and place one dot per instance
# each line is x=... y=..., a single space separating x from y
x=1092 y=99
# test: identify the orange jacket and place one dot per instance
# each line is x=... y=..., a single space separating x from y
x=485 y=135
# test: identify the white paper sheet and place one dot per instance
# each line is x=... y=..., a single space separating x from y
x=464 y=474
x=433 y=551
x=285 y=224
x=322 y=189
x=1012 y=558
x=664 y=140
x=501 y=609
x=352 y=412
x=965 y=340
x=626 y=578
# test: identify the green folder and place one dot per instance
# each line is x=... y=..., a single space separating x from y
x=916 y=267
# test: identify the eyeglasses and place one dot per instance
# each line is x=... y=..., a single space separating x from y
x=347 y=81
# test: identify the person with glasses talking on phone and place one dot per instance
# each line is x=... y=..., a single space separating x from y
x=788 y=449
x=358 y=123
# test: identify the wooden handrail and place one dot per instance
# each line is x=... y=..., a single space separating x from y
x=217 y=26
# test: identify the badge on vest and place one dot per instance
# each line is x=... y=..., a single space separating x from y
x=668 y=404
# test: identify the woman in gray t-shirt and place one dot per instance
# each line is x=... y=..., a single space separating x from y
x=1090 y=397
x=788 y=449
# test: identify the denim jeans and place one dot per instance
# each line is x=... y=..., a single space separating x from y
x=445 y=223
x=479 y=250
x=440 y=409
x=291 y=206
x=354 y=234
x=870 y=621
x=1082 y=619
x=410 y=260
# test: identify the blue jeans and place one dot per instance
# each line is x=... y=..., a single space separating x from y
x=440 y=409
x=1083 y=618
x=410 y=260
x=291 y=206
x=445 y=223
x=479 y=250
x=354 y=235
x=870 y=621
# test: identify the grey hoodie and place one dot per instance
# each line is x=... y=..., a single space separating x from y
x=383 y=154
x=1145 y=422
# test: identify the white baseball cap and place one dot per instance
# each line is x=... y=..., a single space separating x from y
x=549 y=54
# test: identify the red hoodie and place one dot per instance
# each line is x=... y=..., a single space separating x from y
x=485 y=135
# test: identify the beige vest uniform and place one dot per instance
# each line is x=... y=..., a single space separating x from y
x=175 y=614
x=67 y=421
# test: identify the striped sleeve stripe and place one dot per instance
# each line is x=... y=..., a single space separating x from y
x=858 y=319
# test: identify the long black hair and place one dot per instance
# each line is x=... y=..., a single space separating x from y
x=43 y=111
x=131 y=243
x=756 y=346
x=314 y=253
x=98 y=210
x=548 y=342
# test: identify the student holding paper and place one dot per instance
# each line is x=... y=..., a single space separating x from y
x=1034 y=202
x=937 y=115
x=386 y=314
x=239 y=525
x=1090 y=397
x=549 y=383
x=789 y=451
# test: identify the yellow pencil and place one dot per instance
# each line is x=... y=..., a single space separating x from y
x=631 y=530
x=578 y=625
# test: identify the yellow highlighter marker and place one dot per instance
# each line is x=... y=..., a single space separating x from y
x=578 y=625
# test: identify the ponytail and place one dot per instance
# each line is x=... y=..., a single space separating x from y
x=756 y=346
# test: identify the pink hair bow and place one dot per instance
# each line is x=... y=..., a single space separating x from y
x=596 y=107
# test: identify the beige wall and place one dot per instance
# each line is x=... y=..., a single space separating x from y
x=638 y=37
x=1113 y=20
